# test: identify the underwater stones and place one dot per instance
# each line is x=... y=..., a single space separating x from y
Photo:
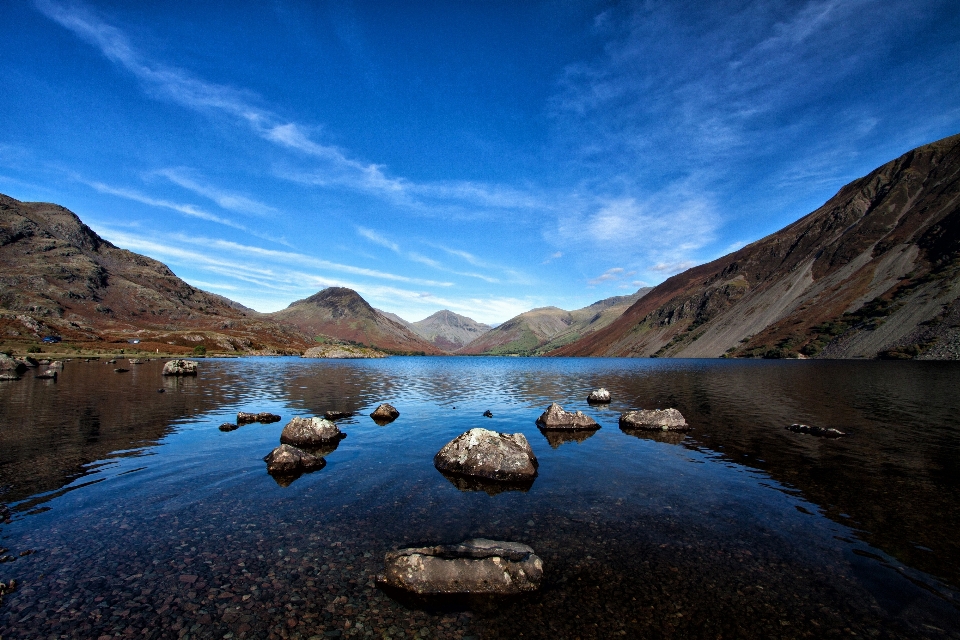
x=288 y=460
x=310 y=432
x=820 y=432
x=266 y=418
x=653 y=420
x=481 y=453
x=556 y=418
x=599 y=396
x=180 y=368
x=385 y=414
x=475 y=567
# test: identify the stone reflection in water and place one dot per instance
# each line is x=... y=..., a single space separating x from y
x=666 y=437
x=490 y=487
x=557 y=437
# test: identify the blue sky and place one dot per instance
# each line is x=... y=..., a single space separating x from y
x=485 y=157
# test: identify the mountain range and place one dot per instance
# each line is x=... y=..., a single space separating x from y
x=874 y=272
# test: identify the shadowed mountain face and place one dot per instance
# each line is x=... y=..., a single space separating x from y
x=59 y=277
x=341 y=313
x=449 y=331
x=540 y=330
x=873 y=272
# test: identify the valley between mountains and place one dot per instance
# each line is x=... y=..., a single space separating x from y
x=873 y=273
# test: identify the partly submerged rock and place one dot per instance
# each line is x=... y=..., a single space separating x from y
x=226 y=426
x=488 y=414
x=820 y=432
x=48 y=374
x=477 y=566
x=136 y=361
x=653 y=420
x=310 y=432
x=8 y=375
x=120 y=370
x=56 y=364
x=385 y=413
x=288 y=460
x=599 y=396
x=246 y=418
x=180 y=368
x=10 y=365
x=556 y=418
x=338 y=415
x=481 y=453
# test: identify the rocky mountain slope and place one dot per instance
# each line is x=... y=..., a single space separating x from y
x=338 y=312
x=449 y=331
x=874 y=272
x=541 y=330
x=58 y=277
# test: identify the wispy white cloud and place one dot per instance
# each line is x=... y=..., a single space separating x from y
x=381 y=240
x=376 y=238
x=670 y=268
x=224 y=198
x=611 y=275
x=186 y=209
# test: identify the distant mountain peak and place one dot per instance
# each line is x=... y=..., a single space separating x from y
x=448 y=330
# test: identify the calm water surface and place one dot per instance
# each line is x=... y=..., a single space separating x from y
x=147 y=521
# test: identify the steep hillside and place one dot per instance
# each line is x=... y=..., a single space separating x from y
x=874 y=272
x=58 y=277
x=449 y=331
x=539 y=330
x=341 y=313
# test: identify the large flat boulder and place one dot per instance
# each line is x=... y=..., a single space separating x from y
x=477 y=566
x=310 y=432
x=556 y=418
x=481 y=453
x=653 y=420
x=180 y=368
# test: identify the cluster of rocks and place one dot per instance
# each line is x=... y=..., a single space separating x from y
x=6 y=588
x=262 y=417
x=303 y=443
x=12 y=368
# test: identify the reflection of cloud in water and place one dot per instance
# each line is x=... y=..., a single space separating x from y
x=557 y=437
x=490 y=487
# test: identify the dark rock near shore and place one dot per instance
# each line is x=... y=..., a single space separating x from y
x=338 y=415
x=556 y=418
x=10 y=365
x=653 y=420
x=180 y=368
x=487 y=414
x=481 y=453
x=266 y=418
x=288 y=460
x=599 y=396
x=49 y=374
x=820 y=432
x=477 y=566
x=310 y=432
x=229 y=426
x=385 y=414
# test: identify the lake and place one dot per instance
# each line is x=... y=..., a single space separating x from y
x=143 y=519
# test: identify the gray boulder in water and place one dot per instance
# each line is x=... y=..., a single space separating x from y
x=246 y=418
x=180 y=368
x=599 y=396
x=287 y=460
x=653 y=420
x=475 y=567
x=310 y=432
x=556 y=418
x=481 y=453
x=9 y=365
x=385 y=413
x=820 y=432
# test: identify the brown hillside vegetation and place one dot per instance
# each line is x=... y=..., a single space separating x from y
x=58 y=277
x=874 y=272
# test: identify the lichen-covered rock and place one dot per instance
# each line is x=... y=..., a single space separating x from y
x=820 y=432
x=288 y=460
x=653 y=420
x=599 y=396
x=506 y=457
x=385 y=413
x=556 y=418
x=310 y=432
x=477 y=566
x=180 y=368
x=246 y=418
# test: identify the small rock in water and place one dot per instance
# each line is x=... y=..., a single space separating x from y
x=161 y=390
x=556 y=418
x=120 y=370
x=599 y=396
x=820 y=432
x=338 y=415
x=477 y=566
x=136 y=361
x=653 y=420
x=310 y=432
x=49 y=374
x=246 y=418
x=180 y=368
x=229 y=426
x=384 y=414
x=287 y=460
x=487 y=414
x=505 y=457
